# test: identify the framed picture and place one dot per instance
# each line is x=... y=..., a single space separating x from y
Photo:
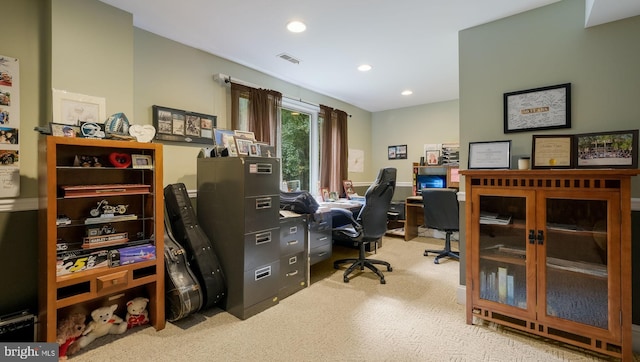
x=242 y=145
x=333 y=196
x=64 y=130
x=615 y=149
x=552 y=151
x=538 y=108
x=397 y=152
x=433 y=157
x=324 y=191
x=218 y=135
x=141 y=161
x=267 y=150
x=490 y=155
x=245 y=134
x=183 y=126
x=391 y=152
x=73 y=108
x=348 y=188
x=254 y=149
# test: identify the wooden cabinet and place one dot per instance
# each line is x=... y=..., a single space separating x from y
x=549 y=253
x=92 y=209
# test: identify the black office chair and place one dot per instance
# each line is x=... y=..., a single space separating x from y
x=441 y=213
x=370 y=224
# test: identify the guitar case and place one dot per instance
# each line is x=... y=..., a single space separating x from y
x=200 y=254
x=183 y=294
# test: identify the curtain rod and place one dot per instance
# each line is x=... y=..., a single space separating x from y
x=226 y=80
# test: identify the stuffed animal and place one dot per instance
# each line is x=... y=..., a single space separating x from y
x=104 y=322
x=68 y=331
x=137 y=314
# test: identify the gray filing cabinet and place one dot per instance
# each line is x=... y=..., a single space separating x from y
x=320 y=242
x=238 y=208
x=293 y=255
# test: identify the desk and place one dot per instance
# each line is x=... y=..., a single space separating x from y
x=414 y=215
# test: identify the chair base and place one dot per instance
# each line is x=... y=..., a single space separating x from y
x=361 y=262
x=442 y=254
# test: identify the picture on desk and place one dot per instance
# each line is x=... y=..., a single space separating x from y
x=324 y=191
x=348 y=188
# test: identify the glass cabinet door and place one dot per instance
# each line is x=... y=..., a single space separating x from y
x=575 y=272
x=503 y=249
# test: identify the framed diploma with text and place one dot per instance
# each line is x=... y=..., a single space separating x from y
x=490 y=155
x=552 y=151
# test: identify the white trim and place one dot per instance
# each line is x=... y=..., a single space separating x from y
x=15 y=205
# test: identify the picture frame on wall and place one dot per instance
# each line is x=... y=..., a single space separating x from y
x=183 y=126
x=613 y=149
x=74 y=108
x=490 y=155
x=538 y=108
x=552 y=151
x=397 y=152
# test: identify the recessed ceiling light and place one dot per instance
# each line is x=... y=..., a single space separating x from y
x=296 y=26
x=364 y=68
x=407 y=92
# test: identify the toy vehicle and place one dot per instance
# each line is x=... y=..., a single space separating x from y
x=104 y=208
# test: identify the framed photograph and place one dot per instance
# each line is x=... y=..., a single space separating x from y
x=615 y=149
x=538 y=108
x=433 y=157
x=348 y=188
x=552 y=151
x=218 y=135
x=398 y=152
x=254 y=149
x=324 y=191
x=245 y=134
x=141 y=161
x=333 y=196
x=490 y=155
x=267 y=150
x=73 y=108
x=183 y=126
x=242 y=145
x=64 y=130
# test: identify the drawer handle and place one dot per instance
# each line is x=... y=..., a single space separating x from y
x=265 y=168
x=263 y=203
x=293 y=230
x=292 y=242
x=263 y=238
x=262 y=273
x=323 y=253
x=322 y=238
x=292 y=273
x=293 y=260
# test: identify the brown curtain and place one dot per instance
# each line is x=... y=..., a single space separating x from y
x=334 y=150
x=262 y=113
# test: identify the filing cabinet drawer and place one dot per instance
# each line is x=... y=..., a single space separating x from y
x=261 y=176
x=261 y=283
x=261 y=247
x=319 y=253
x=320 y=221
x=293 y=235
x=293 y=274
x=261 y=212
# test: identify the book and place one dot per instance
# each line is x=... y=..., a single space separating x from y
x=502 y=284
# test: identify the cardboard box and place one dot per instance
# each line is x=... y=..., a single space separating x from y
x=131 y=254
x=79 y=260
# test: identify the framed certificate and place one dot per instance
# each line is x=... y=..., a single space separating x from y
x=490 y=155
x=552 y=151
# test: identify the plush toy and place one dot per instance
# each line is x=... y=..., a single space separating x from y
x=104 y=322
x=137 y=314
x=68 y=331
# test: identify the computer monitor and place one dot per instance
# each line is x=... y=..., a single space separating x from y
x=430 y=182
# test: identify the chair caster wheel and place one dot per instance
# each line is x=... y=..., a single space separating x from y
x=436 y=261
x=426 y=253
x=382 y=281
x=346 y=280
x=389 y=268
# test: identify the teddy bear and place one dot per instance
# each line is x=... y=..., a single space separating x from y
x=103 y=322
x=68 y=331
x=137 y=314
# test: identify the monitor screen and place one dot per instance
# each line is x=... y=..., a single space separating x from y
x=430 y=182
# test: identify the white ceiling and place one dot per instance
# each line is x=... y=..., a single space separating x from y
x=411 y=44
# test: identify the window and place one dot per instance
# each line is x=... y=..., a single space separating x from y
x=299 y=144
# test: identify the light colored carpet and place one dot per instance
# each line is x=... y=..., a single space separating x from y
x=414 y=317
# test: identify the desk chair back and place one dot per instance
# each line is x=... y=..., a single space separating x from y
x=441 y=209
x=373 y=215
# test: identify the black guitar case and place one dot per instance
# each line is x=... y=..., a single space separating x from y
x=200 y=254
x=183 y=294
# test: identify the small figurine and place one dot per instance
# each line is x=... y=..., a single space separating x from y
x=137 y=314
x=68 y=331
x=104 y=322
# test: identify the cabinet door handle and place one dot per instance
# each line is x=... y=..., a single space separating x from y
x=532 y=237
x=540 y=237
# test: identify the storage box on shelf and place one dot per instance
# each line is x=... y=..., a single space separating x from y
x=549 y=253
x=89 y=217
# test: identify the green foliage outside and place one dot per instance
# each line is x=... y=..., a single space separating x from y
x=295 y=147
